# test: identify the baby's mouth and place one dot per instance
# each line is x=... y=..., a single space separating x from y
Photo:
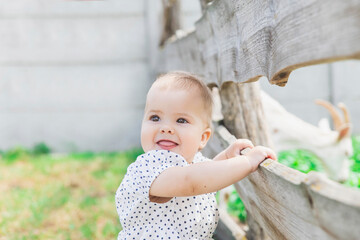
x=166 y=144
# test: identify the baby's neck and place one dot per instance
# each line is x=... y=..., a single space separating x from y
x=190 y=160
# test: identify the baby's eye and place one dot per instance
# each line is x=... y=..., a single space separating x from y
x=182 y=120
x=154 y=118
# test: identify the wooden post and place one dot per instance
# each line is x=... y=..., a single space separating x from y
x=255 y=231
x=171 y=19
x=243 y=112
x=204 y=3
x=244 y=118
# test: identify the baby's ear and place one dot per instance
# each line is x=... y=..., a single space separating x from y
x=205 y=138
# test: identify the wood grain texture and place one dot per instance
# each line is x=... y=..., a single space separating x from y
x=289 y=204
x=243 y=112
x=171 y=19
x=243 y=40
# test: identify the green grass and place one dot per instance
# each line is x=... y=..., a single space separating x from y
x=301 y=160
x=236 y=207
x=354 y=178
x=45 y=196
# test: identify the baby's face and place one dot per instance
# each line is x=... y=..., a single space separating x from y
x=174 y=120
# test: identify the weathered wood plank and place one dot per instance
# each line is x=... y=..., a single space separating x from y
x=243 y=40
x=244 y=117
x=243 y=112
x=229 y=227
x=289 y=204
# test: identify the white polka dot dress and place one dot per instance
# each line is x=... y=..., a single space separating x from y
x=184 y=218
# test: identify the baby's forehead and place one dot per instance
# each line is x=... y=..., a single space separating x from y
x=172 y=83
x=165 y=86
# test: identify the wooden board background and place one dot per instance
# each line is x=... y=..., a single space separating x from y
x=243 y=40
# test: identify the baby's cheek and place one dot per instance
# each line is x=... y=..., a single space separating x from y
x=146 y=138
x=194 y=143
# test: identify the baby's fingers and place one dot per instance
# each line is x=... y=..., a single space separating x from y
x=236 y=148
x=241 y=144
x=271 y=154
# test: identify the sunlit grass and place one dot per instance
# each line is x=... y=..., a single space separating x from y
x=44 y=196
x=49 y=196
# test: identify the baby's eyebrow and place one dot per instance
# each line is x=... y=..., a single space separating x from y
x=154 y=111
x=184 y=114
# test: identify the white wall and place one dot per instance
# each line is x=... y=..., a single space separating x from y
x=72 y=73
x=346 y=76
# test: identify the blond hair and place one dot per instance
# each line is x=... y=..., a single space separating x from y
x=187 y=81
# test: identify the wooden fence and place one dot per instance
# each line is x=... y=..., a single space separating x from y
x=239 y=41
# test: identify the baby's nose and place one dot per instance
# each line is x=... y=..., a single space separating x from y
x=167 y=129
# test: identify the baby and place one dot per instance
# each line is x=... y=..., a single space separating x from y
x=169 y=191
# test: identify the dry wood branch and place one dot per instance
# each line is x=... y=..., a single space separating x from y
x=171 y=19
x=204 y=3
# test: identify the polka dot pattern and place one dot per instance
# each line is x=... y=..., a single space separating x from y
x=187 y=218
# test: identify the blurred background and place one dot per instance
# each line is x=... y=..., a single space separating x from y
x=73 y=82
x=74 y=74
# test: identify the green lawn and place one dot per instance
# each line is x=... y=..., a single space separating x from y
x=49 y=196
x=45 y=196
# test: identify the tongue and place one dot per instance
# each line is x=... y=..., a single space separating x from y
x=167 y=143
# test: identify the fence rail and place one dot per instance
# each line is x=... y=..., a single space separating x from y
x=289 y=204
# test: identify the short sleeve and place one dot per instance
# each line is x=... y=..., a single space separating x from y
x=200 y=158
x=186 y=217
x=148 y=166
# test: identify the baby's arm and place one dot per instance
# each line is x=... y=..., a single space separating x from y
x=206 y=177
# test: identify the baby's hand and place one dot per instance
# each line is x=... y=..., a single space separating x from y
x=235 y=148
x=258 y=154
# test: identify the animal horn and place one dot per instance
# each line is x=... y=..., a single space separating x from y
x=345 y=111
x=333 y=112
